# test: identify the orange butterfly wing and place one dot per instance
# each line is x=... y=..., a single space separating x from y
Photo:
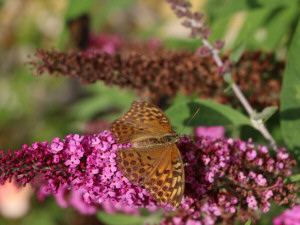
x=142 y=119
x=157 y=167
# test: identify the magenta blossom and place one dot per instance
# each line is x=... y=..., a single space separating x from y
x=288 y=217
x=213 y=132
x=221 y=178
x=84 y=164
x=108 y=43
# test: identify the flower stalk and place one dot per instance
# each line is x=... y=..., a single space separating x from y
x=195 y=22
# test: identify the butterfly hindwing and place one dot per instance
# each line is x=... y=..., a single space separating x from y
x=178 y=172
x=158 y=169
x=135 y=164
x=166 y=182
x=154 y=161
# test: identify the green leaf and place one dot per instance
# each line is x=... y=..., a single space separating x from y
x=107 y=9
x=183 y=98
x=266 y=113
x=237 y=52
x=248 y=222
x=261 y=20
x=210 y=114
x=102 y=99
x=280 y=17
x=226 y=8
x=219 y=27
x=290 y=97
x=77 y=7
x=228 y=78
x=294 y=178
x=119 y=219
x=254 y=20
x=277 y=3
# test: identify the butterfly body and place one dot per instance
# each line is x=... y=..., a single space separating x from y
x=154 y=160
x=152 y=141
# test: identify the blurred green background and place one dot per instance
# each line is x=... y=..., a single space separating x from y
x=38 y=108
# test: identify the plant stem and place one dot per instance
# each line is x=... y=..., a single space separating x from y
x=258 y=124
x=182 y=6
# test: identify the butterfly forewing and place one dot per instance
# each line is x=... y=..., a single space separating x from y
x=148 y=116
x=142 y=119
x=155 y=161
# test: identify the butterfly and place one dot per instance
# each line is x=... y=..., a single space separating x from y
x=79 y=30
x=154 y=160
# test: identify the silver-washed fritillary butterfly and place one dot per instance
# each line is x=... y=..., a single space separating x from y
x=154 y=160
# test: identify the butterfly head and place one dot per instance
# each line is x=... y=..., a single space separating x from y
x=176 y=138
x=172 y=138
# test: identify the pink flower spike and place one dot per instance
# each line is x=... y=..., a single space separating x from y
x=193 y=222
x=218 y=44
x=260 y=180
x=252 y=175
x=56 y=146
x=222 y=198
x=259 y=161
x=234 y=200
x=73 y=162
x=263 y=149
x=91 y=177
x=289 y=216
x=282 y=156
x=251 y=155
x=34 y=146
x=266 y=207
x=56 y=159
x=210 y=177
x=252 y=203
x=213 y=132
x=241 y=177
x=268 y=194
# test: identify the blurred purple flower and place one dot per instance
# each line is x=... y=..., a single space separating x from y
x=113 y=208
x=108 y=43
x=212 y=132
x=288 y=217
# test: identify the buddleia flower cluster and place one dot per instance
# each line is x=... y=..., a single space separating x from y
x=168 y=72
x=229 y=180
x=226 y=180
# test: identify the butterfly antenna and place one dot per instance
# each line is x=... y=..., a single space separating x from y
x=190 y=120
